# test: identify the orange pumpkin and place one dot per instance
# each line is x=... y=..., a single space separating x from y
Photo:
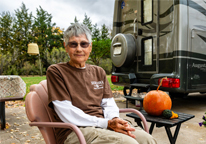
x=156 y=101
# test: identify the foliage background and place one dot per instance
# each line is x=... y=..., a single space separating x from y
x=21 y=28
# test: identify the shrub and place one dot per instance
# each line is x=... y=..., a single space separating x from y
x=57 y=56
x=106 y=64
x=27 y=68
x=11 y=70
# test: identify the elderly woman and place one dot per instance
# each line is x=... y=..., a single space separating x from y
x=80 y=94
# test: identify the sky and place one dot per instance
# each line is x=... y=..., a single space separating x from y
x=64 y=11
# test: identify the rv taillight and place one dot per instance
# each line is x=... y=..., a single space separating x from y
x=114 y=78
x=170 y=82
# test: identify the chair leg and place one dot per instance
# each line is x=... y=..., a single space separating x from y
x=2 y=114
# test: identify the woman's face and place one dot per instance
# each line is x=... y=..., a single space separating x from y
x=78 y=50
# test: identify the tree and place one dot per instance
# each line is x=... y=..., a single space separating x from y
x=87 y=22
x=6 y=21
x=100 y=49
x=42 y=29
x=56 y=39
x=75 y=20
x=45 y=34
x=22 y=34
x=57 y=56
x=100 y=42
x=5 y=61
x=104 y=32
x=96 y=33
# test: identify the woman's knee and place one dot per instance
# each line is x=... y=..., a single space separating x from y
x=143 y=137
x=128 y=140
x=114 y=138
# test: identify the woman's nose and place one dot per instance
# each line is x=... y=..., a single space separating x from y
x=79 y=48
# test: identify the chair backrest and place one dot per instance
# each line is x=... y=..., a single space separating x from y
x=37 y=109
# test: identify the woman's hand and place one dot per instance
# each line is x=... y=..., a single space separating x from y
x=119 y=125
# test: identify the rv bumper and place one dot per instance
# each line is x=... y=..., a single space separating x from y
x=154 y=83
x=124 y=79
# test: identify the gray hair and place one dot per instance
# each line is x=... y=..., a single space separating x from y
x=77 y=29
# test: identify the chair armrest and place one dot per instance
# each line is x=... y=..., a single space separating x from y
x=146 y=128
x=61 y=125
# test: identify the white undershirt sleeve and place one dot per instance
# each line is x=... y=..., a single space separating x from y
x=110 y=108
x=69 y=113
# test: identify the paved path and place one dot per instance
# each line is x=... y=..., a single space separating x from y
x=20 y=132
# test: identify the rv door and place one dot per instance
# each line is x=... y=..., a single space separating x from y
x=148 y=27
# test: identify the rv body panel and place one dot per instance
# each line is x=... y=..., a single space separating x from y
x=197 y=46
x=170 y=41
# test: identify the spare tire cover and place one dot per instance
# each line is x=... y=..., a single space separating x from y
x=123 y=50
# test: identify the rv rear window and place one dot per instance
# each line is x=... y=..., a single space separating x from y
x=147 y=9
x=147 y=49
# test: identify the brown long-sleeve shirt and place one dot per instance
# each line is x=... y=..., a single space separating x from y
x=85 y=88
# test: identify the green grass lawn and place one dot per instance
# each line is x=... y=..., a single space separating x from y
x=113 y=87
x=36 y=79
x=32 y=80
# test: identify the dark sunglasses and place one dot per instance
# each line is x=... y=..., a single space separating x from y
x=75 y=44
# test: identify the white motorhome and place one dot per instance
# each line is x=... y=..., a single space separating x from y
x=153 y=39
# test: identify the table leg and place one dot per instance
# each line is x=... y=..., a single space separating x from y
x=151 y=128
x=169 y=134
x=176 y=132
x=141 y=105
x=127 y=103
x=2 y=114
x=139 y=123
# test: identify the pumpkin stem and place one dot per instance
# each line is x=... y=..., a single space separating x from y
x=161 y=82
